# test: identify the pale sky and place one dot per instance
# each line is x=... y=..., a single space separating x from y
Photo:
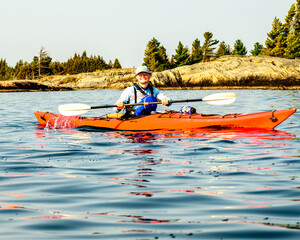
x=122 y=28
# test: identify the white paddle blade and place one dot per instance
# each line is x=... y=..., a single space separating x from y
x=220 y=98
x=73 y=109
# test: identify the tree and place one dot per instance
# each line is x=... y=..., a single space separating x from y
x=17 y=68
x=43 y=60
x=275 y=42
x=3 y=69
x=288 y=26
x=182 y=55
x=257 y=49
x=84 y=55
x=83 y=63
x=208 y=46
x=172 y=62
x=32 y=69
x=296 y=20
x=155 y=56
x=293 y=46
x=197 y=53
x=110 y=64
x=239 y=48
x=29 y=71
x=283 y=39
x=223 y=50
x=57 y=67
x=292 y=49
x=117 y=64
x=151 y=54
x=279 y=49
x=164 y=62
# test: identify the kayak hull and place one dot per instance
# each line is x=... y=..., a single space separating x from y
x=170 y=121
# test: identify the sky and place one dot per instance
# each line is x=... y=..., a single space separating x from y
x=122 y=28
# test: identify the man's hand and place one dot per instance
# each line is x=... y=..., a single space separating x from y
x=165 y=102
x=120 y=106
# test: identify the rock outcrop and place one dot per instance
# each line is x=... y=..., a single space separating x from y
x=108 y=79
x=29 y=85
x=233 y=71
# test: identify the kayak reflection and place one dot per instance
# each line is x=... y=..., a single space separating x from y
x=207 y=133
x=173 y=135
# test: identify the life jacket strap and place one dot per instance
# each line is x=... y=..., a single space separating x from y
x=137 y=87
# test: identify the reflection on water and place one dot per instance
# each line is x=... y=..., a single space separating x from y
x=204 y=184
x=222 y=134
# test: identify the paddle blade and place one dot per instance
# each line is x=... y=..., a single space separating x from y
x=73 y=109
x=220 y=98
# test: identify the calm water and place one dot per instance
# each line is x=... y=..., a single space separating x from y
x=72 y=184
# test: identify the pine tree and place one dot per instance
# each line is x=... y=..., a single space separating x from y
x=6 y=72
x=151 y=54
x=275 y=43
x=257 y=49
x=182 y=55
x=223 y=50
x=208 y=46
x=289 y=21
x=164 y=62
x=296 y=21
x=43 y=61
x=84 y=55
x=292 y=49
x=100 y=63
x=45 y=66
x=83 y=63
x=33 y=70
x=17 y=68
x=293 y=46
x=3 y=68
x=239 y=48
x=172 y=62
x=117 y=64
x=155 y=56
x=279 y=49
x=197 y=53
x=28 y=71
x=57 y=67
x=110 y=64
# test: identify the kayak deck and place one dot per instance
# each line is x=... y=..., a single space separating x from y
x=169 y=121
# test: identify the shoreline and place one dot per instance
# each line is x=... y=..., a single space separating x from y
x=162 y=88
x=228 y=72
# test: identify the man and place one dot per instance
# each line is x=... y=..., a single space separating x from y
x=140 y=90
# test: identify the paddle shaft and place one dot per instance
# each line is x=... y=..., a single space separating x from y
x=147 y=103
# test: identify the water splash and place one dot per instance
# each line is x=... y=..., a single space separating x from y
x=62 y=122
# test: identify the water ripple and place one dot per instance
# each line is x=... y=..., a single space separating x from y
x=204 y=184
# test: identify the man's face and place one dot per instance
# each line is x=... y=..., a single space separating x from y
x=143 y=78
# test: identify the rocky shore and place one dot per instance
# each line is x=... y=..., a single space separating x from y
x=225 y=72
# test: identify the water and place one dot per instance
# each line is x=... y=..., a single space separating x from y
x=72 y=184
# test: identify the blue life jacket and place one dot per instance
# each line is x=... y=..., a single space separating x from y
x=146 y=109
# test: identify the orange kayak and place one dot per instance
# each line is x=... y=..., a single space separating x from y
x=169 y=121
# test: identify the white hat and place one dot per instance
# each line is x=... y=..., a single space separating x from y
x=142 y=69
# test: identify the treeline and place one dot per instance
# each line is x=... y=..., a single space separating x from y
x=155 y=56
x=282 y=41
x=42 y=65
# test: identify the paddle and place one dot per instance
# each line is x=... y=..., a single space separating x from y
x=75 y=109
